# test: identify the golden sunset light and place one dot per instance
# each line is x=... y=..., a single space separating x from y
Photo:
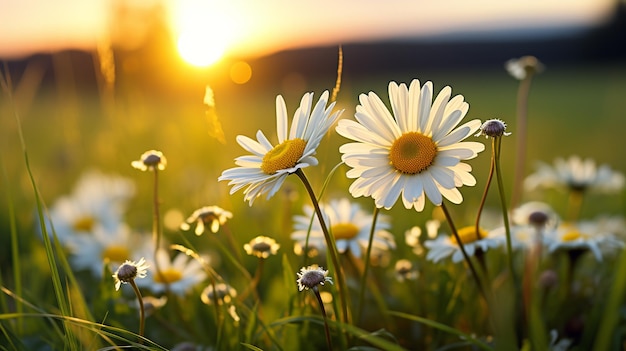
x=204 y=31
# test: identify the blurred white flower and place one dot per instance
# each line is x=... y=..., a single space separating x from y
x=181 y=273
x=575 y=174
x=150 y=160
x=266 y=169
x=447 y=246
x=522 y=67
x=413 y=152
x=349 y=225
x=97 y=202
x=594 y=236
x=92 y=252
x=213 y=216
x=261 y=247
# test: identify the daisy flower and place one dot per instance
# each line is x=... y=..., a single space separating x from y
x=445 y=246
x=592 y=236
x=222 y=293
x=575 y=174
x=130 y=270
x=413 y=152
x=265 y=170
x=522 y=67
x=349 y=225
x=150 y=160
x=261 y=247
x=92 y=252
x=404 y=270
x=97 y=202
x=312 y=276
x=213 y=216
x=181 y=273
x=493 y=128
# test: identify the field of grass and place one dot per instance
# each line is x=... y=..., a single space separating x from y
x=573 y=110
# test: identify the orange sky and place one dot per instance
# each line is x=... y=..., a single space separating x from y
x=257 y=27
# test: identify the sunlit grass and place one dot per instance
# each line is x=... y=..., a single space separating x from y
x=567 y=116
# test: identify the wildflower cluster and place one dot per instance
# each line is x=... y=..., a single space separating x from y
x=399 y=258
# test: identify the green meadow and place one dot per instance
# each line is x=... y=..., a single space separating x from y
x=575 y=109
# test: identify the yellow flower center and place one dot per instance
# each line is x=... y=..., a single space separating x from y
x=468 y=235
x=169 y=275
x=84 y=224
x=283 y=156
x=344 y=231
x=412 y=153
x=115 y=253
x=572 y=235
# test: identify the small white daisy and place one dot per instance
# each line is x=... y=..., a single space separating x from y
x=130 y=270
x=349 y=225
x=446 y=245
x=221 y=292
x=524 y=66
x=213 y=216
x=265 y=170
x=150 y=160
x=312 y=276
x=493 y=128
x=181 y=273
x=413 y=152
x=591 y=236
x=261 y=247
x=404 y=270
x=576 y=174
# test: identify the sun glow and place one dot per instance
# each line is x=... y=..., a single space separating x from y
x=204 y=32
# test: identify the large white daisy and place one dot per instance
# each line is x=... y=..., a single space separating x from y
x=413 y=152
x=266 y=169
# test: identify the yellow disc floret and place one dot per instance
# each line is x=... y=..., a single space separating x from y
x=115 y=253
x=283 y=156
x=169 y=276
x=468 y=235
x=412 y=153
x=344 y=231
x=84 y=224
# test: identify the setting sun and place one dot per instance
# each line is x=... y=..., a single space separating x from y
x=204 y=32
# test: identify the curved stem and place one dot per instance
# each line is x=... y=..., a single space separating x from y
x=329 y=342
x=484 y=198
x=496 y=143
x=142 y=311
x=332 y=248
x=368 y=253
x=462 y=247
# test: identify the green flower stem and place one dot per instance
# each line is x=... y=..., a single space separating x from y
x=156 y=227
x=142 y=311
x=521 y=132
x=465 y=256
x=332 y=247
x=366 y=266
x=574 y=205
x=329 y=342
x=484 y=198
x=495 y=145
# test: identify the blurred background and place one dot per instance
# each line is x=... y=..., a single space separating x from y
x=97 y=83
